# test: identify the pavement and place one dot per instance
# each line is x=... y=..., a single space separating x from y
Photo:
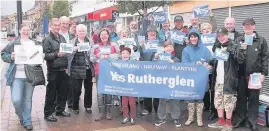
x=84 y=121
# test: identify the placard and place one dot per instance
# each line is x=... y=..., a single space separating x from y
x=159 y=17
x=141 y=39
x=83 y=47
x=177 y=37
x=28 y=54
x=209 y=39
x=151 y=46
x=105 y=49
x=66 y=48
x=165 y=56
x=200 y=11
x=231 y=35
x=249 y=39
x=221 y=54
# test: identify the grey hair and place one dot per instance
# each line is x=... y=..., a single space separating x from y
x=233 y=20
x=81 y=26
x=64 y=18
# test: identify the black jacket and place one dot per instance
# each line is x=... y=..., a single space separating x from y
x=51 y=46
x=231 y=66
x=257 y=56
x=236 y=34
x=78 y=62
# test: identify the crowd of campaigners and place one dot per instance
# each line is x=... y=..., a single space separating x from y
x=232 y=103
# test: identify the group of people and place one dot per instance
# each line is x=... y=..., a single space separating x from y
x=233 y=103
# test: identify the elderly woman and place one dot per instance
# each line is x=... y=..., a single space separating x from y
x=97 y=53
x=81 y=69
x=21 y=89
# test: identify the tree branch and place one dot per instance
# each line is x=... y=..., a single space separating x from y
x=137 y=9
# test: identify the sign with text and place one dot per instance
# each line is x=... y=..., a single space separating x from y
x=105 y=49
x=151 y=46
x=249 y=39
x=208 y=39
x=27 y=54
x=66 y=48
x=153 y=80
x=165 y=56
x=177 y=37
x=83 y=47
x=141 y=39
x=221 y=54
x=159 y=17
x=200 y=11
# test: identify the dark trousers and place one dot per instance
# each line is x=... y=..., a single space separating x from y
x=247 y=104
x=76 y=85
x=209 y=103
x=148 y=104
x=70 y=96
x=56 y=90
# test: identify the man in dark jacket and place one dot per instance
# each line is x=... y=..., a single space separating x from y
x=256 y=62
x=229 y=24
x=225 y=71
x=178 y=21
x=57 y=77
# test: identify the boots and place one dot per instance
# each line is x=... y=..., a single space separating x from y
x=108 y=112
x=191 y=108
x=199 y=113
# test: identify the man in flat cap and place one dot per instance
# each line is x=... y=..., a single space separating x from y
x=246 y=112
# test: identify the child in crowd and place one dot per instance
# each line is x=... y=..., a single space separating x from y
x=175 y=109
x=125 y=56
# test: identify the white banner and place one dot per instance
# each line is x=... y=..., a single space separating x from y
x=27 y=54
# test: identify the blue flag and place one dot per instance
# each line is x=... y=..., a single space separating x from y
x=153 y=80
x=200 y=11
x=45 y=23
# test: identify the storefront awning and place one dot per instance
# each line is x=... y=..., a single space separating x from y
x=103 y=14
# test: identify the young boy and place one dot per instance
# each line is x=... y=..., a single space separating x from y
x=175 y=109
x=125 y=56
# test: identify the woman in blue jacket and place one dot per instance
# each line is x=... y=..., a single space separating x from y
x=195 y=53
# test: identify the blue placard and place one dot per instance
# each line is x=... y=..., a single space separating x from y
x=200 y=11
x=208 y=39
x=151 y=46
x=153 y=80
x=177 y=37
x=220 y=54
x=159 y=17
x=249 y=39
x=165 y=56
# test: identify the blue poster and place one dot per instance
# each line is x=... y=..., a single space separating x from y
x=249 y=39
x=151 y=46
x=165 y=56
x=177 y=37
x=200 y=11
x=208 y=39
x=221 y=54
x=159 y=18
x=150 y=79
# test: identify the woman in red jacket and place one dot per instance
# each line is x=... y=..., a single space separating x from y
x=104 y=49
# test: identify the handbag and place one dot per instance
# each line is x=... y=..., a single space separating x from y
x=34 y=75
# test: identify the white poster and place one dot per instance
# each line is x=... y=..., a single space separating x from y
x=27 y=54
x=83 y=47
x=66 y=48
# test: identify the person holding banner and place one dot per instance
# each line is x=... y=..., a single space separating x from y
x=57 y=62
x=128 y=102
x=21 y=89
x=146 y=55
x=175 y=109
x=227 y=57
x=105 y=49
x=196 y=53
x=256 y=63
x=81 y=70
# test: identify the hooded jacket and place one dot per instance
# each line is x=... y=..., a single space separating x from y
x=231 y=66
x=257 y=56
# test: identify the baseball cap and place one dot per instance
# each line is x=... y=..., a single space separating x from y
x=223 y=31
x=178 y=18
x=249 y=20
x=151 y=28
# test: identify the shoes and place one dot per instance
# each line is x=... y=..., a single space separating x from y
x=64 y=114
x=199 y=114
x=191 y=110
x=160 y=122
x=145 y=112
x=108 y=116
x=125 y=120
x=254 y=128
x=177 y=123
x=88 y=110
x=228 y=125
x=100 y=117
x=219 y=124
x=132 y=121
x=76 y=112
x=29 y=127
x=51 y=118
x=212 y=116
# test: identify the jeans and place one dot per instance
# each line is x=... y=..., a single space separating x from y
x=175 y=109
x=104 y=101
x=21 y=96
x=57 y=87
